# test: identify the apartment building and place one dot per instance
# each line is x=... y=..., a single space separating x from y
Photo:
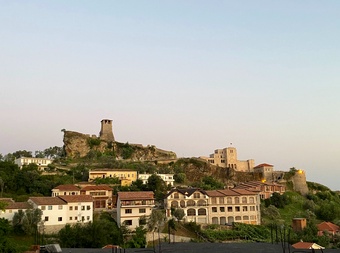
x=215 y=206
x=41 y=162
x=131 y=206
x=101 y=194
x=126 y=177
x=227 y=158
x=167 y=178
x=57 y=211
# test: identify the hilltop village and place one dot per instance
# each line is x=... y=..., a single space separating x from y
x=147 y=187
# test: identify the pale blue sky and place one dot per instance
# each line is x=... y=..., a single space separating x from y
x=186 y=76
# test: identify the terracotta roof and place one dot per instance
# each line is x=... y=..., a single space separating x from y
x=142 y=195
x=18 y=205
x=67 y=187
x=113 y=170
x=328 y=226
x=96 y=188
x=263 y=165
x=47 y=201
x=76 y=198
x=214 y=193
x=6 y=200
x=307 y=245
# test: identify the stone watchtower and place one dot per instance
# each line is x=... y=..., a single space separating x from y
x=106 y=133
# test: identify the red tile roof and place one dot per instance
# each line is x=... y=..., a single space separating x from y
x=306 y=245
x=6 y=200
x=67 y=187
x=142 y=195
x=328 y=226
x=47 y=201
x=76 y=198
x=263 y=165
x=96 y=188
x=18 y=205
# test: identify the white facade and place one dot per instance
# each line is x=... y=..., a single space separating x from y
x=12 y=208
x=63 y=190
x=131 y=206
x=41 y=162
x=167 y=178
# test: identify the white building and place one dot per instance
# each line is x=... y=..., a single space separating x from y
x=167 y=178
x=215 y=206
x=131 y=206
x=41 y=162
x=66 y=189
x=11 y=208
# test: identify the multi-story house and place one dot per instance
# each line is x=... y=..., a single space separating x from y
x=167 y=178
x=126 y=177
x=12 y=207
x=264 y=189
x=41 y=162
x=193 y=201
x=215 y=206
x=132 y=206
x=66 y=189
x=227 y=158
x=56 y=211
x=79 y=208
x=101 y=194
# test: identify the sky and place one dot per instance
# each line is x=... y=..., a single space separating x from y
x=186 y=76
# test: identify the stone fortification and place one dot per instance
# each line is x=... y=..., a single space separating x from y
x=80 y=145
x=299 y=182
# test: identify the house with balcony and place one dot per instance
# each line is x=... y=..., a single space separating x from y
x=101 y=194
x=215 y=206
x=126 y=177
x=193 y=201
x=167 y=178
x=132 y=206
x=66 y=189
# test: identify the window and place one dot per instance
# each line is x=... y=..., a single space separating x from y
x=75 y=218
x=221 y=200
x=202 y=211
x=142 y=210
x=214 y=209
x=82 y=218
x=43 y=207
x=230 y=208
x=237 y=208
x=76 y=208
x=176 y=196
x=252 y=208
x=88 y=217
x=229 y=200
x=71 y=218
x=197 y=195
x=244 y=208
x=128 y=210
x=213 y=201
x=191 y=212
x=251 y=200
x=88 y=207
x=49 y=207
x=60 y=207
x=244 y=200
x=128 y=222
x=46 y=218
x=222 y=209
x=237 y=200
x=60 y=218
x=83 y=208
x=70 y=208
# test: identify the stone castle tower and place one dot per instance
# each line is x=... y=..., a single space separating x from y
x=106 y=132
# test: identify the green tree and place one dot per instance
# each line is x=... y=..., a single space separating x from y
x=178 y=213
x=156 y=219
x=157 y=185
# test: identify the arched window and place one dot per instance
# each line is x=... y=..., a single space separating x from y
x=182 y=203
x=237 y=200
x=221 y=200
x=229 y=200
x=202 y=211
x=191 y=212
x=201 y=202
x=238 y=218
x=191 y=203
x=245 y=217
x=176 y=195
x=251 y=200
x=244 y=200
x=174 y=204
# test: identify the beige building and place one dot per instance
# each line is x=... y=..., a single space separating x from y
x=131 y=206
x=227 y=158
x=126 y=177
x=215 y=206
x=41 y=162
x=101 y=194
x=264 y=189
x=65 y=189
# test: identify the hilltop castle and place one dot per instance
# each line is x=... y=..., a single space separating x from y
x=106 y=133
